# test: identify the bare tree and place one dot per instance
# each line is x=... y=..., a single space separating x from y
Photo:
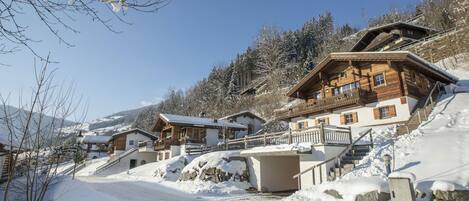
x=58 y=15
x=36 y=137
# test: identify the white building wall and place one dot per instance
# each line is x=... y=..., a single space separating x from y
x=124 y=163
x=319 y=154
x=273 y=173
x=211 y=138
x=365 y=114
x=136 y=137
x=246 y=120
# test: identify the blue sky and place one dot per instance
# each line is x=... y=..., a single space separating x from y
x=174 y=47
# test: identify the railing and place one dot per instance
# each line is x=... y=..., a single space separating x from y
x=146 y=146
x=166 y=144
x=336 y=159
x=349 y=98
x=112 y=162
x=316 y=135
x=421 y=113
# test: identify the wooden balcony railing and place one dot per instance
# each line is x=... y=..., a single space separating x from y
x=165 y=144
x=354 y=97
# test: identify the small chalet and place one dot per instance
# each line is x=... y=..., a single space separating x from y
x=391 y=36
x=253 y=122
x=126 y=140
x=177 y=132
x=95 y=146
x=362 y=89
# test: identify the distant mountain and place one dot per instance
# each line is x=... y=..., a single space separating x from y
x=108 y=125
x=18 y=118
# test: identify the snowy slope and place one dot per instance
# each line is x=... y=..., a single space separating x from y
x=437 y=153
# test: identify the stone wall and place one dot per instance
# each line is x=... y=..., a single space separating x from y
x=447 y=45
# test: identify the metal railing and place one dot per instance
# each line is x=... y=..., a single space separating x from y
x=336 y=159
x=316 y=135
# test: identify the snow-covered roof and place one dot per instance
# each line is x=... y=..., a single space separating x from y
x=136 y=130
x=245 y=112
x=95 y=139
x=200 y=121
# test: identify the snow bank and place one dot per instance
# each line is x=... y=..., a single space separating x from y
x=300 y=147
x=219 y=160
x=347 y=188
x=167 y=170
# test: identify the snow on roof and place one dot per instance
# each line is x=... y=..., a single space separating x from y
x=135 y=130
x=95 y=139
x=245 y=112
x=179 y=119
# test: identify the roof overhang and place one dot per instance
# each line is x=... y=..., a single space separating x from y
x=439 y=74
x=371 y=32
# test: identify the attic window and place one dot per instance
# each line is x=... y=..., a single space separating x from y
x=379 y=79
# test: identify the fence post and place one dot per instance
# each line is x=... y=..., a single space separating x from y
x=321 y=133
x=350 y=134
x=290 y=140
x=265 y=139
x=245 y=141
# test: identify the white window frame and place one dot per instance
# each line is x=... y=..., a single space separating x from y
x=384 y=112
x=348 y=118
x=382 y=81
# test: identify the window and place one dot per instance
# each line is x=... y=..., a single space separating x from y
x=342 y=74
x=379 y=79
x=348 y=118
x=346 y=88
x=302 y=125
x=384 y=112
x=131 y=142
x=324 y=120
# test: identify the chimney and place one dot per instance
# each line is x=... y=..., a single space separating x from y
x=202 y=114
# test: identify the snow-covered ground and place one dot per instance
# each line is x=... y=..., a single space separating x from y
x=437 y=153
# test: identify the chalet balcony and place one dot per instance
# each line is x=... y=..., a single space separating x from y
x=165 y=144
x=146 y=146
x=354 y=97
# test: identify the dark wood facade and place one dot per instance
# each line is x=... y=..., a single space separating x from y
x=351 y=79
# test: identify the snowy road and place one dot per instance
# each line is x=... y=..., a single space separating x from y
x=136 y=190
x=99 y=189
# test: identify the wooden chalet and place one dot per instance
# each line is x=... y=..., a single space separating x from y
x=126 y=140
x=391 y=37
x=178 y=130
x=362 y=88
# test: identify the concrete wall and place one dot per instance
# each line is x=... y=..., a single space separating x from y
x=273 y=173
x=319 y=154
x=365 y=114
x=136 y=137
x=124 y=163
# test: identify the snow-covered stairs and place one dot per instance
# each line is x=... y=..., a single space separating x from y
x=348 y=161
x=6 y=167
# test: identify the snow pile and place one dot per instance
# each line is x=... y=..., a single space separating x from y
x=218 y=160
x=347 y=188
x=167 y=170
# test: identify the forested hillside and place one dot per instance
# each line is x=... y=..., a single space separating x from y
x=280 y=58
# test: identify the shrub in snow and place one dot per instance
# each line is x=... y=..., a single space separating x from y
x=216 y=167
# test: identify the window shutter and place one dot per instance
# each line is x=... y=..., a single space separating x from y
x=376 y=113
x=327 y=120
x=355 y=117
x=306 y=124
x=316 y=122
x=392 y=110
x=293 y=126
x=342 y=119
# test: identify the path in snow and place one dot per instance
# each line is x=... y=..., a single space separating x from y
x=136 y=190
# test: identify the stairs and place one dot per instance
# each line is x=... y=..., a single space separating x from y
x=348 y=161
